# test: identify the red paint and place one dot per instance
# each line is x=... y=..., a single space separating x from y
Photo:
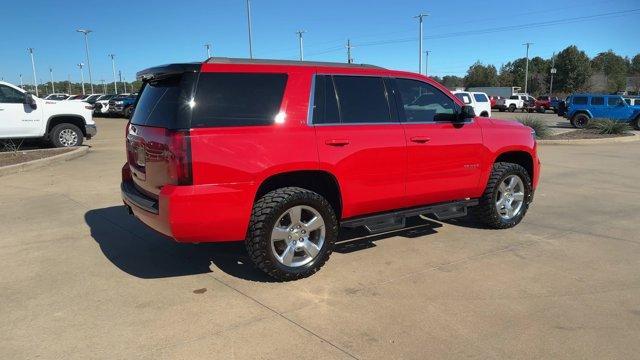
x=378 y=167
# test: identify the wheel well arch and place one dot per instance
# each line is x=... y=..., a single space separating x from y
x=66 y=119
x=321 y=182
x=584 y=112
x=521 y=158
x=486 y=113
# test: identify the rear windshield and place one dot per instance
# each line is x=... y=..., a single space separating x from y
x=237 y=99
x=158 y=104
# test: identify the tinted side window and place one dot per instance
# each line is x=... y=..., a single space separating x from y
x=464 y=97
x=615 y=101
x=237 y=99
x=325 y=109
x=10 y=96
x=362 y=99
x=480 y=97
x=628 y=101
x=579 y=100
x=597 y=100
x=422 y=102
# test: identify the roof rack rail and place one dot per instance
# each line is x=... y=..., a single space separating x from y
x=226 y=60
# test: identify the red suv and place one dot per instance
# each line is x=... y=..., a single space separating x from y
x=282 y=154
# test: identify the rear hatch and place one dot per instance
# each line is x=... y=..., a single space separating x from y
x=158 y=144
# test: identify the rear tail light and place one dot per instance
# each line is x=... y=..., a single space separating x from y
x=179 y=157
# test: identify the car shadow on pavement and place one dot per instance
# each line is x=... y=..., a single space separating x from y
x=141 y=252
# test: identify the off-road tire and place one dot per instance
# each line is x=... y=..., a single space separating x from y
x=266 y=212
x=580 y=121
x=54 y=136
x=486 y=211
x=127 y=112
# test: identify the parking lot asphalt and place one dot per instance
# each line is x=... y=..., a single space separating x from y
x=80 y=278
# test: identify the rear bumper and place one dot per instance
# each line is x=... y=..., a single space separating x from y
x=195 y=213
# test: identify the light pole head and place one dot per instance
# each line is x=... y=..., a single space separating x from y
x=80 y=65
x=420 y=16
x=84 y=31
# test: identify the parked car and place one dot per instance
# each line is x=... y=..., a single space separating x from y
x=88 y=98
x=523 y=102
x=583 y=107
x=101 y=106
x=544 y=103
x=122 y=105
x=500 y=91
x=282 y=154
x=62 y=123
x=57 y=97
x=494 y=100
x=478 y=100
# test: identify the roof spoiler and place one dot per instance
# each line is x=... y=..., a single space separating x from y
x=164 y=71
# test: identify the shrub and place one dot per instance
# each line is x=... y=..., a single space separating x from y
x=608 y=126
x=539 y=126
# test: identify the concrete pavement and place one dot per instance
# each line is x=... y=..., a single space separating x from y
x=80 y=278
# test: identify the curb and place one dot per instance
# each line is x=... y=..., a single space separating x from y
x=33 y=164
x=612 y=140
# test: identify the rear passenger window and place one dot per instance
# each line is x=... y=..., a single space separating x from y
x=325 y=107
x=579 y=100
x=361 y=99
x=237 y=99
x=480 y=97
x=423 y=102
x=597 y=100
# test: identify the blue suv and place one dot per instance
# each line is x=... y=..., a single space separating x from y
x=583 y=107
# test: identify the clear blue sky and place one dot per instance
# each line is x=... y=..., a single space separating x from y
x=147 y=33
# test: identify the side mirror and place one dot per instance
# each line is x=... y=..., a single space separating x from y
x=466 y=112
x=29 y=100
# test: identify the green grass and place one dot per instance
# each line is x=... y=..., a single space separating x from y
x=538 y=125
x=608 y=126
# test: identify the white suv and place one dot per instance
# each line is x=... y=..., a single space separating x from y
x=478 y=100
x=62 y=123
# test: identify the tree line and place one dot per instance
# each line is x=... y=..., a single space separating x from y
x=74 y=88
x=575 y=71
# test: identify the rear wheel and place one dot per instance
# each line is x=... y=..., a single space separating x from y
x=540 y=110
x=484 y=114
x=291 y=233
x=580 y=121
x=66 y=135
x=636 y=123
x=127 y=112
x=507 y=196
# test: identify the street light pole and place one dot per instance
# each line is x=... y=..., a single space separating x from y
x=420 y=17
x=33 y=67
x=553 y=72
x=81 y=76
x=53 y=87
x=113 y=67
x=208 y=47
x=349 y=58
x=526 y=69
x=104 y=86
x=21 y=84
x=300 y=32
x=86 y=47
x=426 y=61
x=250 y=31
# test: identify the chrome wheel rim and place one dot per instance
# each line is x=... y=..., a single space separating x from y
x=510 y=197
x=68 y=137
x=298 y=236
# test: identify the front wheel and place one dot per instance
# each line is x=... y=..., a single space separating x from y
x=507 y=196
x=66 y=135
x=127 y=112
x=580 y=121
x=291 y=233
x=636 y=123
x=512 y=108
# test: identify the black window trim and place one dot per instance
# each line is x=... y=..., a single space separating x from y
x=400 y=107
x=393 y=115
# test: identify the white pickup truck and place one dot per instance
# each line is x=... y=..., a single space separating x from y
x=62 y=123
x=524 y=102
